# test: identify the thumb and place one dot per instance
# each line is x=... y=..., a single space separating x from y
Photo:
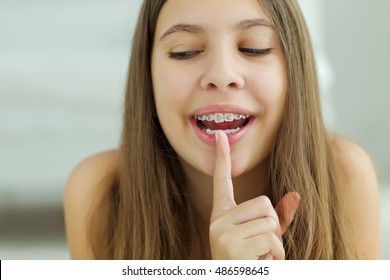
x=286 y=209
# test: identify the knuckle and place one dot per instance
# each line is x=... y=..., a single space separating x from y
x=266 y=205
x=275 y=239
x=214 y=228
x=271 y=239
x=281 y=254
x=223 y=240
x=218 y=232
x=269 y=243
x=277 y=245
x=264 y=200
x=271 y=223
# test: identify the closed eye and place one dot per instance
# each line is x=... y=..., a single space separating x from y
x=255 y=52
x=184 y=55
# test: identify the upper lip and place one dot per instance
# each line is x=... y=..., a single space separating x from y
x=221 y=108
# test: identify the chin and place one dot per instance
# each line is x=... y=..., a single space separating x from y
x=238 y=170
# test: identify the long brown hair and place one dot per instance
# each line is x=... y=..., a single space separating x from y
x=148 y=216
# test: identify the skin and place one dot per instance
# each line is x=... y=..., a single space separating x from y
x=220 y=70
x=225 y=183
x=251 y=230
x=220 y=74
x=93 y=177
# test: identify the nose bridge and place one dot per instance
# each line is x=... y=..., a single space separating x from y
x=222 y=70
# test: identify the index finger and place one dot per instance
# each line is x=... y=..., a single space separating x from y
x=223 y=192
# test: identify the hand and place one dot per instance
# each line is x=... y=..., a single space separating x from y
x=251 y=230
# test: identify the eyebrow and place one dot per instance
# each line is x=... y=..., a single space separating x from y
x=196 y=29
x=190 y=28
x=248 y=24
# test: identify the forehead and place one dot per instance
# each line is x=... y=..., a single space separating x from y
x=208 y=14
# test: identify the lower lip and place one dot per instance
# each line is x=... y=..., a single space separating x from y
x=210 y=139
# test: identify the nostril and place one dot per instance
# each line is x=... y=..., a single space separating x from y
x=208 y=84
x=222 y=82
x=211 y=86
x=233 y=85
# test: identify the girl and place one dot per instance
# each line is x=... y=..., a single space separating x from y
x=224 y=154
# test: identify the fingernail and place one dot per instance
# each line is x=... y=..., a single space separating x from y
x=216 y=136
x=297 y=196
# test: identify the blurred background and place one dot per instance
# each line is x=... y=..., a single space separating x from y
x=63 y=67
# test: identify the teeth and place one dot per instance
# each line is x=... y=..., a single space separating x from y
x=210 y=118
x=211 y=132
x=227 y=131
x=220 y=117
x=229 y=117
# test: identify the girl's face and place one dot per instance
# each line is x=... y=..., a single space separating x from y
x=218 y=64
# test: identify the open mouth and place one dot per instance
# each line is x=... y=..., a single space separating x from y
x=230 y=123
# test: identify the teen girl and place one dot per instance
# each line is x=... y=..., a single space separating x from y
x=224 y=153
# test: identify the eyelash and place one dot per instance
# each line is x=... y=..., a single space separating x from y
x=255 y=52
x=184 y=55
x=190 y=54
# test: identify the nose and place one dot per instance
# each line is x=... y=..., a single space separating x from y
x=222 y=71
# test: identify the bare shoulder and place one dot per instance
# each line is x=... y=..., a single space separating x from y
x=87 y=185
x=359 y=178
x=355 y=162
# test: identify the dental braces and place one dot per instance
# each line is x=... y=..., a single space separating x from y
x=220 y=117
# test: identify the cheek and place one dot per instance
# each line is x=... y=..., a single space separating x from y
x=276 y=92
x=270 y=82
x=170 y=85
x=271 y=90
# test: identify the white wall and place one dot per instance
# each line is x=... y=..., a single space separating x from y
x=63 y=66
x=358 y=48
